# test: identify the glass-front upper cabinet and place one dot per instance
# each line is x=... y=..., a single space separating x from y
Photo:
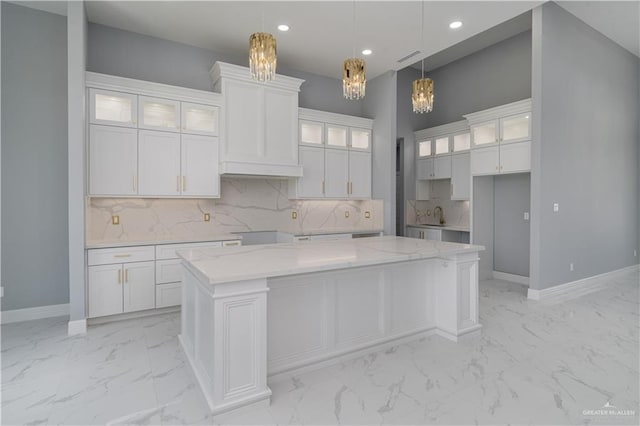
x=337 y=136
x=199 y=119
x=485 y=133
x=360 y=139
x=516 y=128
x=311 y=132
x=113 y=108
x=158 y=114
x=424 y=149
x=462 y=142
x=442 y=145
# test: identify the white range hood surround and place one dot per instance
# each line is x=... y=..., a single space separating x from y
x=259 y=123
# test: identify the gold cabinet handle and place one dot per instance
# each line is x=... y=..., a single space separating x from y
x=177 y=183
x=347 y=188
x=134 y=178
x=119 y=276
x=232 y=243
x=126 y=275
x=184 y=183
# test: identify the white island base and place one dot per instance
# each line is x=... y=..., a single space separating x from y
x=258 y=311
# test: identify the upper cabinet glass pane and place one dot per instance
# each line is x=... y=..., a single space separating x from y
x=112 y=107
x=485 y=134
x=461 y=142
x=311 y=132
x=424 y=149
x=360 y=138
x=158 y=113
x=442 y=145
x=200 y=119
x=516 y=127
x=337 y=136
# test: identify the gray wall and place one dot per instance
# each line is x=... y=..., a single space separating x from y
x=34 y=158
x=482 y=232
x=586 y=92
x=511 y=231
x=128 y=54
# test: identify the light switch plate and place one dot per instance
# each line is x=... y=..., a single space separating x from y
x=367 y=215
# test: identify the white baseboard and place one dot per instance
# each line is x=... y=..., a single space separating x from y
x=77 y=327
x=513 y=278
x=579 y=287
x=39 y=312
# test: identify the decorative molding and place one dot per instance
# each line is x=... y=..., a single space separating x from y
x=148 y=88
x=223 y=70
x=38 y=312
x=77 y=327
x=513 y=278
x=333 y=118
x=579 y=287
x=445 y=129
x=513 y=108
x=259 y=170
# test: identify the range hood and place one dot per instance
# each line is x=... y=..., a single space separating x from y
x=231 y=169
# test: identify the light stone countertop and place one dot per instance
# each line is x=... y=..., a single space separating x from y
x=118 y=243
x=445 y=227
x=338 y=231
x=273 y=260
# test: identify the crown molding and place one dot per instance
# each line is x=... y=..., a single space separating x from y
x=223 y=70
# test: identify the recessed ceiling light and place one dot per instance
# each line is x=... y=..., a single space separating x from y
x=455 y=25
x=283 y=27
x=367 y=52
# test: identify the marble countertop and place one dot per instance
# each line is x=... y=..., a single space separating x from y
x=445 y=227
x=118 y=243
x=273 y=260
x=338 y=231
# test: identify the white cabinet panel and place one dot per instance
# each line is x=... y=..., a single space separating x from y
x=311 y=133
x=515 y=128
x=281 y=127
x=169 y=251
x=168 y=271
x=442 y=167
x=425 y=149
x=244 y=122
x=168 y=295
x=311 y=184
x=200 y=166
x=119 y=255
x=359 y=306
x=157 y=113
x=159 y=163
x=359 y=175
x=515 y=157
x=424 y=169
x=113 y=160
x=485 y=161
x=114 y=108
x=360 y=139
x=460 y=176
x=462 y=142
x=337 y=136
x=414 y=232
x=432 y=234
x=199 y=119
x=139 y=286
x=485 y=133
x=442 y=145
x=105 y=290
x=336 y=173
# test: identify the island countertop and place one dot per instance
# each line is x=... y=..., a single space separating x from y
x=232 y=264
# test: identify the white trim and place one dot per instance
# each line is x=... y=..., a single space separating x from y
x=77 y=327
x=513 y=278
x=333 y=118
x=223 y=70
x=133 y=315
x=28 y=314
x=499 y=112
x=445 y=129
x=579 y=287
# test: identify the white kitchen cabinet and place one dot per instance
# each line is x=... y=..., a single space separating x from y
x=461 y=142
x=460 y=176
x=158 y=114
x=515 y=157
x=336 y=173
x=360 y=139
x=485 y=134
x=104 y=290
x=312 y=184
x=113 y=160
x=359 y=175
x=442 y=145
x=515 y=128
x=199 y=166
x=413 y=232
x=424 y=149
x=260 y=123
x=485 y=161
x=113 y=108
x=337 y=136
x=311 y=133
x=168 y=294
x=424 y=169
x=435 y=147
x=139 y=292
x=199 y=119
x=159 y=163
x=442 y=167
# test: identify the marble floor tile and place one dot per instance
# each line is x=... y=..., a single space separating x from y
x=533 y=363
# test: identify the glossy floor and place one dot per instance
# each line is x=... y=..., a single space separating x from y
x=534 y=363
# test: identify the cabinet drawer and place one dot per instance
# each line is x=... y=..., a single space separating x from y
x=168 y=251
x=168 y=271
x=168 y=295
x=120 y=255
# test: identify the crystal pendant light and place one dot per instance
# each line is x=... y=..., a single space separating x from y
x=422 y=95
x=354 y=71
x=262 y=55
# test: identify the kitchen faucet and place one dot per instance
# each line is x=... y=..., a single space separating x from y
x=435 y=214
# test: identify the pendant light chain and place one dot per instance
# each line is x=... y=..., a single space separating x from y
x=422 y=35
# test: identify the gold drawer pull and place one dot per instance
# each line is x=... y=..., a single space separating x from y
x=119 y=276
x=234 y=243
x=126 y=275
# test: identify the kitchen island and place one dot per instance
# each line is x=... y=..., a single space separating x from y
x=271 y=310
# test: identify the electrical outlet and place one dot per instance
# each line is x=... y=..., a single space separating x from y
x=294 y=215
x=556 y=207
x=367 y=215
x=526 y=215
x=207 y=217
x=115 y=219
x=346 y=214
x=571 y=267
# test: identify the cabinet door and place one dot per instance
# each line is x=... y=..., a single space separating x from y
x=515 y=157
x=414 y=232
x=424 y=169
x=105 y=290
x=433 y=234
x=280 y=127
x=159 y=114
x=460 y=176
x=360 y=139
x=485 y=161
x=425 y=149
x=311 y=184
x=515 y=128
x=359 y=175
x=200 y=175
x=113 y=160
x=311 y=133
x=159 y=163
x=139 y=286
x=485 y=133
x=336 y=166
x=113 y=108
x=442 y=145
x=337 y=136
x=442 y=167
x=244 y=122
x=199 y=119
x=462 y=142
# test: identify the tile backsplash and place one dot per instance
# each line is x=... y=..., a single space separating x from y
x=246 y=204
x=456 y=213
